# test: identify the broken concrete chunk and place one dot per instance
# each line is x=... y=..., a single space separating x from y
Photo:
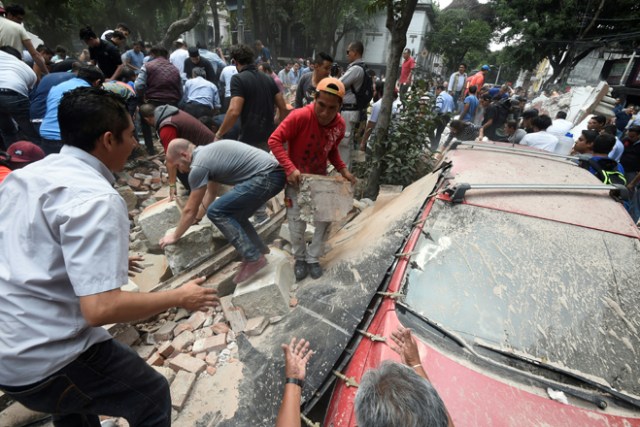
x=211 y=359
x=129 y=197
x=180 y=389
x=181 y=314
x=267 y=293
x=181 y=328
x=194 y=246
x=212 y=343
x=145 y=351
x=165 y=332
x=197 y=319
x=203 y=333
x=183 y=340
x=168 y=373
x=156 y=219
x=184 y=362
x=256 y=325
x=126 y=334
x=324 y=198
x=234 y=315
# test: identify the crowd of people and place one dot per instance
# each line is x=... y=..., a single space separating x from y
x=220 y=119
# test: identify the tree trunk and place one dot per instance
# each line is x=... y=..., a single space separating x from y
x=216 y=23
x=398 y=28
x=182 y=25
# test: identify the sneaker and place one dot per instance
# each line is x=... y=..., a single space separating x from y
x=257 y=221
x=249 y=268
x=300 y=269
x=315 y=270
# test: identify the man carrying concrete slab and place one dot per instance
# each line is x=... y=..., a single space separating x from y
x=312 y=135
x=256 y=177
x=63 y=260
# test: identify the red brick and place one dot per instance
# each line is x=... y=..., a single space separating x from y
x=220 y=328
x=134 y=183
x=211 y=370
x=180 y=389
x=166 y=349
x=211 y=359
x=181 y=328
x=214 y=343
x=184 y=362
x=155 y=360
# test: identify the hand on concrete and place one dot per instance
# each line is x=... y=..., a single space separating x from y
x=294 y=178
x=348 y=176
x=169 y=239
x=406 y=346
x=195 y=297
x=134 y=266
x=296 y=356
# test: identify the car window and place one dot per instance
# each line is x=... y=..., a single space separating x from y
x=559 y=292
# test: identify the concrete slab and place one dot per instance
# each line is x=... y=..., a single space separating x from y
x=267 y=293
x=324 y=198
x=156 y=219
x=194 y=246
x=155 y=267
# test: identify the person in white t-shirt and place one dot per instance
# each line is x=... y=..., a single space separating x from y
x=540 y=138
x=225 y=79
x=178 y=56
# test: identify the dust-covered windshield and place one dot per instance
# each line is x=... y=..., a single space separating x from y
x=565 y=294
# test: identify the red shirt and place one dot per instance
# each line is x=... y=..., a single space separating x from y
x=309 y=145
x=476 y=80
x=4 y=171
x=408 y=65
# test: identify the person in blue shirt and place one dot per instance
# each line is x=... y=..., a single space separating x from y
x=134 y=58
x=444 y=107
x=470 y=105
x=38 y=97
x=88 y=75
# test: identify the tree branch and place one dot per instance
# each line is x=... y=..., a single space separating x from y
x=182 y=25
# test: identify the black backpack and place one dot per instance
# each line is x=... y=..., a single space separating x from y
x=364 y=95
x=606 y=171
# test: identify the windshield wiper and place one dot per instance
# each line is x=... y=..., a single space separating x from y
x=602 y=404
x=438 y=327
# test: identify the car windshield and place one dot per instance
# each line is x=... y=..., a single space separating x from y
x=564 y=294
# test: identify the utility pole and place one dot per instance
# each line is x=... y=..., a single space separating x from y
x=240 y=14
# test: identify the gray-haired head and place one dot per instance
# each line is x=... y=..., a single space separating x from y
x=199 y=72
x=395 y=396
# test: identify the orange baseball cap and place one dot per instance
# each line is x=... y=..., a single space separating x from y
x=331 y=85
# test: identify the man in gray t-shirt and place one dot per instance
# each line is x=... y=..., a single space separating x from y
x=256 y=176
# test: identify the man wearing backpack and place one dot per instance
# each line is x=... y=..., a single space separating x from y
x=604 y=168
x=358 y=85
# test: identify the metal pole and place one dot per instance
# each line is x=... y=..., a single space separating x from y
x=626 y=70
x=240 y=14
x=498 y=76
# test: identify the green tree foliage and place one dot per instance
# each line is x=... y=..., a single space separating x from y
x=565 y=31
x=405 y=157
x=458 y=37
x=326 y=21
x=58 y=22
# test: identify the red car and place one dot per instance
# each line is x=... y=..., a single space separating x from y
x=521 y=281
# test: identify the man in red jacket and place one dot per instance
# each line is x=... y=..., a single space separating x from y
x=312 y=135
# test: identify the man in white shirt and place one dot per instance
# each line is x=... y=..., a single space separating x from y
x=14 y=35
x=457 y=84
x=179 y=55
x=540 y=138
x=225 y=79
x=64 y=259
x=16 y=80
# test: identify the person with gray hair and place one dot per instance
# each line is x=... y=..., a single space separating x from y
x=400 y=395
x=200 y=97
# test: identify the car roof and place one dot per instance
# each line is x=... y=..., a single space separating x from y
x=496 y=163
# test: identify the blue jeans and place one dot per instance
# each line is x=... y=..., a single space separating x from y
x=14 y=109
x=231 y=211
x=107 y=379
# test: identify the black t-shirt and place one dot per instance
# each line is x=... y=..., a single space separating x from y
x=494 y=131
x=204 y=63
x=258 y=91
x=107 y=57
x=306 y=91
x=630 y=159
